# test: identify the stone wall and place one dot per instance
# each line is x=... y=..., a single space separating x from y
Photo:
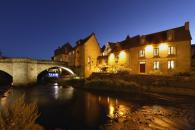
x=24 y=70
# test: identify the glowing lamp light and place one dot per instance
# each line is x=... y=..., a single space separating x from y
x=122 y=55
x=111 y=58
x=149 y=48
x=163 y=46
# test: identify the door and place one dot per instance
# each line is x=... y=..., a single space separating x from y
x=142 y=67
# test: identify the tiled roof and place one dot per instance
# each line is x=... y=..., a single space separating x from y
x=103 y=48
x=178 y=34
x=115 y=47
x=83 y=41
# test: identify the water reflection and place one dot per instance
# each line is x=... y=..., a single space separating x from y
x=71 y=109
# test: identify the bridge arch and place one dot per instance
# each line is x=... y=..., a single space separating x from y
x=25 y=70
x=49 y=67
x=5 y=78
x=61 y=70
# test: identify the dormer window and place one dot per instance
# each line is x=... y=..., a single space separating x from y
x=143 y=39
x=170 y=35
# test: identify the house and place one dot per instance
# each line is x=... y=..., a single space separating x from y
x=87 y=51
x=193 y=51
x=61 y=54
x=166 y=52
x=163 y=53
x=83 y=57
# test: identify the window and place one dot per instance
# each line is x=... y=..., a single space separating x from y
x=89 y=60
x=171 y=50
x=170 y=35
x=156 y=65
x=156 y=52
x=171 y=64
x=141 y=53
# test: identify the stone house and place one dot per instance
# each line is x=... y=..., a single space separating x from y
x=61 y=53
x=83 y=57
x=165 y=52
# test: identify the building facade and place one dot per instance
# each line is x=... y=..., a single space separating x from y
x=163 y=53
x=61 y=54
x=83 y=57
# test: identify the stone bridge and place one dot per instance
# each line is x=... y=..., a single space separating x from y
x=24 y=71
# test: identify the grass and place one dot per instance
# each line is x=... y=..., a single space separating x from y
x=19 y=116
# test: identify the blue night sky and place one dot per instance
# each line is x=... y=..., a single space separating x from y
x=34 y=28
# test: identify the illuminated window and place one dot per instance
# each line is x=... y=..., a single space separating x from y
x=141 y=53
x=156 y=65
x=122 y=57
x=171 y=50
x=111 y=59
x=156 y=52
x=89 y=60
x=171 y=64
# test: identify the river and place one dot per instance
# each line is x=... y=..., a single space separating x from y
x=68 y=108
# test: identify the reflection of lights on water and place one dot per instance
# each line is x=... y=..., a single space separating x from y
x=108 y=99
x=111 y=111
x=60 y=92
x=116 y=101
x=99 y=98
x=55 y=84
x=121 y=113
x=56 y=92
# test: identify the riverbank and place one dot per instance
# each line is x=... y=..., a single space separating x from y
x=126 y=83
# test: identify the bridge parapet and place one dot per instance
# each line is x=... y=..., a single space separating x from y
x=26 y=70
x=29 y=60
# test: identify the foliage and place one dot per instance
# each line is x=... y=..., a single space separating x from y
x=19 y=116
x=184 y=74
x=112 y=85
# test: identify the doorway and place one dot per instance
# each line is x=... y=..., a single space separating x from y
x=142 y=66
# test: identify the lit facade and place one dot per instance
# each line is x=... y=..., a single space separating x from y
x=83 y=57
x=61 y=54
x=164 y=53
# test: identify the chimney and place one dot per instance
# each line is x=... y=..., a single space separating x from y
x=187 y=25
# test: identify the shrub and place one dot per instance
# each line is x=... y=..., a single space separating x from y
x=19 y=116
x=183 y=74
x=112 y=85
